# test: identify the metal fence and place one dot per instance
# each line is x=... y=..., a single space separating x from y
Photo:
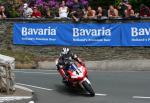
x=68 y=20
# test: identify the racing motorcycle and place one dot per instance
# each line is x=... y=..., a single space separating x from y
x=78 y=77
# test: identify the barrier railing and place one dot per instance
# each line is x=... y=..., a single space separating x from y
x=103 y=20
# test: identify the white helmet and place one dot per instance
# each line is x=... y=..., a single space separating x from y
x=65 y=51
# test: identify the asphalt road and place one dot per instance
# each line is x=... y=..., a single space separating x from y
x=110 y=87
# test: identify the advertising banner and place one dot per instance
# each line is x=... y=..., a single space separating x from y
x=135 y=34
x=85 y=34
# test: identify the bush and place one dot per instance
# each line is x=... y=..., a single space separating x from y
x=12 y=7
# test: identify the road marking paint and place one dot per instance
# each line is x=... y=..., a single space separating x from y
x=47 y=70
x=34 y=72
x=35 y=87
x=41 y=70
x=140 y=97
x=31 y=102
x=13 y=98
x=98 y=94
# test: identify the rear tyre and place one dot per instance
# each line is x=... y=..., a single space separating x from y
x=88 y=88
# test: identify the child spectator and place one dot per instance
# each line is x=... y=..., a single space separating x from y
x=2 y=12
x=36 y=13
x=129 y=12
x=63 y=10
x=91 y=14
x=112 y=12
x=27 y=12
x=144 y=11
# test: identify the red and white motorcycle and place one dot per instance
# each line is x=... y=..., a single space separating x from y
x=77 y=74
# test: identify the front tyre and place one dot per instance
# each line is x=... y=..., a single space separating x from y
x=88 y=88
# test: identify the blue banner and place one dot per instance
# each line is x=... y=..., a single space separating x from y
x=64 y=34
x=135 y=34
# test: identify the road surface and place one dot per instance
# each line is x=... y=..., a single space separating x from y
x=110 y=87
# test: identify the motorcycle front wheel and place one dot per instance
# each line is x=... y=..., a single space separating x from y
x=88 y=88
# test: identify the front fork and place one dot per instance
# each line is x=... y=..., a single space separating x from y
x=85 y=79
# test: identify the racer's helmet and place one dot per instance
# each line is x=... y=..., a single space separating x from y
x=65 y=54
x=65 y=51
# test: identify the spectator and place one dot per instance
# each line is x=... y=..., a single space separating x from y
x=99 y=12
x=8 y=7
x=2 y=12
x=48 y=13
x=36 y=13
x=77 y=10
x=63 y=10
x=144 y=11
x=129 y=12
x=112 y=12
x=90 y=13
x=27 y=13
x=122 y=7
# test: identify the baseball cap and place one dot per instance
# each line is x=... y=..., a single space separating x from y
x=25 y=5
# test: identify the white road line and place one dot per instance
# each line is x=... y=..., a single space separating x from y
x=34 y=86
x=140 y=97
x=31 y=102
x=13 y=98
x=45 y=70
x=34 y=72
x=98 y=94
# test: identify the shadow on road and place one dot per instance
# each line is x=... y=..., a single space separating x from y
x=62 y=89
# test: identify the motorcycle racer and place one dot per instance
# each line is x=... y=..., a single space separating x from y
x=62 y=64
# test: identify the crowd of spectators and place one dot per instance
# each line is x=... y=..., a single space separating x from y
x=77 y=9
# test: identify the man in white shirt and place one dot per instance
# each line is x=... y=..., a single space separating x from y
x=27 y=11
